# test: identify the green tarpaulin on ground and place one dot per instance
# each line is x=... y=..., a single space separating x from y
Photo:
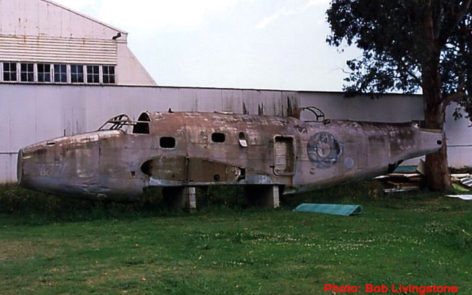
x=335 y=209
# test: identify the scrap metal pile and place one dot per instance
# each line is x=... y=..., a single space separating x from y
x=410 y=178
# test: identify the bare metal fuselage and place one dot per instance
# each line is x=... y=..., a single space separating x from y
x=201 y=149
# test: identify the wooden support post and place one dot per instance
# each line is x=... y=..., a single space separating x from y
x=180 y=197
x=264 y=196
x=191 y=197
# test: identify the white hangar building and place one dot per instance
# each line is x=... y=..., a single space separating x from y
x=43 y=42
x=64 y=73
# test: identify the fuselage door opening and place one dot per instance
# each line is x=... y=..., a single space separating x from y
x=284 y=155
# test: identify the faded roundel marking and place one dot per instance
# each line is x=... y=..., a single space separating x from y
x=324 y=149
x=348 y=163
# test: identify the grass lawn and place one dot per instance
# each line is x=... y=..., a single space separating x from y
x=72 y=247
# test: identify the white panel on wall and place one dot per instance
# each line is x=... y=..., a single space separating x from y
x=8 y=167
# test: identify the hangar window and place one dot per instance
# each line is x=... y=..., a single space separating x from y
x=218 y=137
x=109 y=74
x=167 y=142
x=93 y=74
x=77 y=73
x=60 y=73
x=44 y=73
x=9 y=71
x=57 y=73
x=142 y=125
x=27 y=72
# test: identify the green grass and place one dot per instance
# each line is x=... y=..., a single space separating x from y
x=49 y=245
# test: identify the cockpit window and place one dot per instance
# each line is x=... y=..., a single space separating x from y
x=142 y=126
x=120 y=121
x=314 y=114
x=116 y=123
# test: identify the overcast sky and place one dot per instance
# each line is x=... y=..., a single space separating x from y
x=268 y=44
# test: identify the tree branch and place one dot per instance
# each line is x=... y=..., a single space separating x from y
x=462 y=12
x=455 y=19
x=409 y=72
x=454 y=97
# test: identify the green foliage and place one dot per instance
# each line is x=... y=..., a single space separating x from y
x=40 y=207
x=402 y=40
x=36 y=207
x=222 y=197
x=417 y=238
x=408 y=45
x=351 y=193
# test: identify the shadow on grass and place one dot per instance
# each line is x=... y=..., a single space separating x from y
x=365 y=192
x=31 y=207
x=24 y=206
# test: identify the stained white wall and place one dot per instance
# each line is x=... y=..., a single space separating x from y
x=390 y=108
x=459 y=138
x=129 y=71
x=31 y=113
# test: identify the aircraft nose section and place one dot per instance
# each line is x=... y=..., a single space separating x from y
x=24 y=168
x=61 y=165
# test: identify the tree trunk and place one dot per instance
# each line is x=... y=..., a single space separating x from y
x=436 y=168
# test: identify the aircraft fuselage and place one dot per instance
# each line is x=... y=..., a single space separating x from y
x=201 y=149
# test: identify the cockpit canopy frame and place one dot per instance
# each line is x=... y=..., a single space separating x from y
x=119 y=122
x=319 y=114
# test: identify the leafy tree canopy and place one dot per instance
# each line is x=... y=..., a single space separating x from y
x=408 y=45
x=405 y=42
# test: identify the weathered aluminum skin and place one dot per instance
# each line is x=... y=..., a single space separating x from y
x=255 y=150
